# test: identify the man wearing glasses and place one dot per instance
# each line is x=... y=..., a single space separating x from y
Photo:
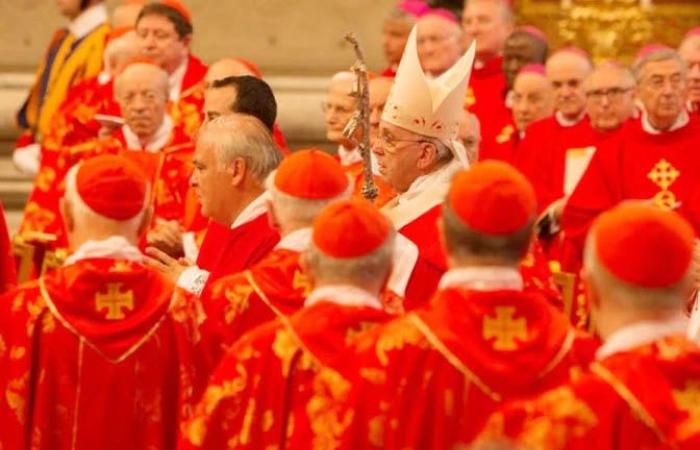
x=653 y=159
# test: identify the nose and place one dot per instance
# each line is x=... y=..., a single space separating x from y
x=193 y=179
x=378 y=147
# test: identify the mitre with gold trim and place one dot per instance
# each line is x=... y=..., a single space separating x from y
x=430 y=106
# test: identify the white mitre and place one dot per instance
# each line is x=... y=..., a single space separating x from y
x=430 y=106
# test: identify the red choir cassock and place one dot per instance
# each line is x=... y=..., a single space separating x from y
x=430 y=379
x=168 y=169
x=636 y=164
x=260 y=396
x=642 y=398
x=187 y=109
x=503 y=145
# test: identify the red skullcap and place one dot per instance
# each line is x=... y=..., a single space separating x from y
x=643 y=245
x=180 y=7
x=693 y=32
x=649 y=49
x=533 y=31
x=350 y=229
x=250 y=65
x=112 y=186
x=493 y=198
x=311 y=174
x=574 y=51
x=538 y=69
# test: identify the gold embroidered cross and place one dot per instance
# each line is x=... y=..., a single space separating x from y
x=663 y=174
x=504 y=328
x=115 y=301
x=301 y=281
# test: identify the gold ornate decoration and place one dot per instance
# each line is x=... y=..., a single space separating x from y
x=610 y=29
x=688 y=401
x=504 y=328
x=663 y=175
x=115 y=301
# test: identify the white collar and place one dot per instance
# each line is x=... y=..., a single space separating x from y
x=255 y=209
x=115 y=247
x=426 y=182
x=159 y=140
x=296 y=241
x=641 y=333
x=681 y=121
x=344 y=295
x=349 y=157
x=566 y=123
x=484 y=279
x=175 y=80
x=88 y=20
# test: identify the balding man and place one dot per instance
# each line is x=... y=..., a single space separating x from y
x=338 y=107
x=233 y=157
x=488 y=22
x=440 y=42
x=75 y=53
x=148 y=136
x=651 y=158
x=640 y=392
x=102 y=318
x=690 y=52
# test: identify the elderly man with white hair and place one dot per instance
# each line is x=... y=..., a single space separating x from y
x=102 y=318
x=417 y=153
x=653 y=158
x=234 y=155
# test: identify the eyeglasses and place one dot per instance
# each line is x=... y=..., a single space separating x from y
x=611 y=93
x=390 y=143
x=339 y=109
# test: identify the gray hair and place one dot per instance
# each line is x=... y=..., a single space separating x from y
x=242 y=136
x=370 y=269
x=290 y=209
x=629 y=295
x=656 y=56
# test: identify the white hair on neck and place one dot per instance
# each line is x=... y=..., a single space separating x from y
x=86 y=217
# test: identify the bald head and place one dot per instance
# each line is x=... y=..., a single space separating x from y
x=533 y=99
x=439 y=43
x=120 y=51
x=227 y=67
x=690 y=53
x=125 y=15
x=339 y=106
x=566 y=70
x=379 y=89
x=142 y=93
x=489 y=22
x=470 y=135
x=609 y=96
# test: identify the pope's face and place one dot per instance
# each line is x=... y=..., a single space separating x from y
x=159 y=41
x=663 y=91
x=397 y=152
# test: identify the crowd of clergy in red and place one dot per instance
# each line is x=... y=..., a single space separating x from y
x=525 y=279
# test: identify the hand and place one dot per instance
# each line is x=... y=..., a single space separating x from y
x=167 y=237
x=165 y=264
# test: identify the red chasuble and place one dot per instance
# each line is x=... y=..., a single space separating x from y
x=486 y=98
x=95 y=356
x=644 y=398
x=187 y=110
x=266 y=378
x=662 y=168
x=168 y=169
x=430 y=379
x=240 y=247
x=504 y=144
x=274 y=287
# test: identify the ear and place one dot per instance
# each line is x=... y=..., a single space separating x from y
x=145 y=221
x=67 y=213
x=428 y=155
x=187 y=41
x=238 y=169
